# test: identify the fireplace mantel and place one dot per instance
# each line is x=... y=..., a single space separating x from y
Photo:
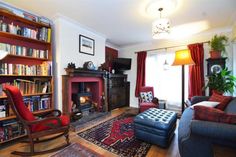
x=86 y=73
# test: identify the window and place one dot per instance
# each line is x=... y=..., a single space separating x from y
x=167 y=82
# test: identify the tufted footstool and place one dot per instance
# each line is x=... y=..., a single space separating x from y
x=155 y=126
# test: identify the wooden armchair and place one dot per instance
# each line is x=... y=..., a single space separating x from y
x=152 y=101
x=53 y=124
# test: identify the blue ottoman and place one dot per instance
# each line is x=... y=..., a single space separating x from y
x=155 y=126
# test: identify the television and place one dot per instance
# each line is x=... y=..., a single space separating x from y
x=121 y=64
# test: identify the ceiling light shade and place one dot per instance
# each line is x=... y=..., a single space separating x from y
x=3 y=54
x=183 y=57
x=160 y=28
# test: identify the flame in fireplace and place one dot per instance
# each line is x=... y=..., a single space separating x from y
x=84 y=99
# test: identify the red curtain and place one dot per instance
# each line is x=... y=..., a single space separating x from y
x=141 y=64
x=196 y=72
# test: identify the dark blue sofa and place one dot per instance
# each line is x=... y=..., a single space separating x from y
x=196 y=138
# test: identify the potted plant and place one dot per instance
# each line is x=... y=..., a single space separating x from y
x=217 y=45
x=222 y=82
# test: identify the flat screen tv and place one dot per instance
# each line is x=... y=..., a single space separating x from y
x=121 y=64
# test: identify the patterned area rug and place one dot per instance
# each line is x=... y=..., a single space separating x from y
x=76 y=150
x=117 y=136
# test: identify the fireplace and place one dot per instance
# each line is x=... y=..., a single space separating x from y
x=83 y=99
x=84 y=92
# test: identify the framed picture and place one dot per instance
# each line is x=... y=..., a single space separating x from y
x=86 y=45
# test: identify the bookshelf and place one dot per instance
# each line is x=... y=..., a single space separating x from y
x=27 y=65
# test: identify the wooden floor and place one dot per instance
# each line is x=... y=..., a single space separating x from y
x=155 y=151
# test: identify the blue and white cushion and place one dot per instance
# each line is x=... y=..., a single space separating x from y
x=146 y=96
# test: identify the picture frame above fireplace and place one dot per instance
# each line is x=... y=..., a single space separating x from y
x=86 y=45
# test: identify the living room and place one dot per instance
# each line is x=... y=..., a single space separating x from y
x=110 y=78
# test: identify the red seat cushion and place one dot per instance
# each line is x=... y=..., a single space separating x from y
x=65 y=120
x=213 y=114
x=19 y=104
x=224 y=100
x=146 y=105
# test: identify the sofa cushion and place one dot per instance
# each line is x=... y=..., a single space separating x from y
x=206 y=103
x=224 y=100
x=213 y=114
x=146 y=96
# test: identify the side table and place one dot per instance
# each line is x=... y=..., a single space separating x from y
x=162 y=103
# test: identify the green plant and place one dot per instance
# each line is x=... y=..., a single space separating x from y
x=218 y=43
x=222 y=82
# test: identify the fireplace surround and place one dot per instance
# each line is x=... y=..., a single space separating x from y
x=81 y=84
x=108 y=91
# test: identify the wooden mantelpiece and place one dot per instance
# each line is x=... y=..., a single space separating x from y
x=81 y=75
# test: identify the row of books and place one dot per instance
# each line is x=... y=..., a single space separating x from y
x=43 y=34
x=23 y=51
x=44 y=69
x=33 y=103
x=26 y=15
x=10 y=129
x=29 y=87
x=37 y=103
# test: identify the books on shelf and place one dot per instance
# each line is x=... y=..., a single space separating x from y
x=2 y=110
x=33 y=103
x=10 y=129
x=44 y=69
x=37 y=103
x=23 y=51
x=36 y=86
x=42 y=34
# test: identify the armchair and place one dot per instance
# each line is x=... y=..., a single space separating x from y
x=151 y=103
x=53 y=124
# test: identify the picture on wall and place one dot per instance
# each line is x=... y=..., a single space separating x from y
x=86 y=45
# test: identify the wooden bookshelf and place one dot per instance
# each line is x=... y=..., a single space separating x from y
x=33 y=94
x=14 y=138
x=20 y=59
x=22 y=38
x=3 y=75
x=21 y=19
x=35 y=113
x=25 y=57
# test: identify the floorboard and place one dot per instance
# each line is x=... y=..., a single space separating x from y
x=155 y=151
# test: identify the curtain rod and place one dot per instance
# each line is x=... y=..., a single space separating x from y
x=170 y=47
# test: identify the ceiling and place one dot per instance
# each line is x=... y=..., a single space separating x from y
x=125 y=22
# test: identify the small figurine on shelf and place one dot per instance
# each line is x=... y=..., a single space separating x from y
x=71 y=65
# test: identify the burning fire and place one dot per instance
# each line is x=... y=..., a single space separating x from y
x=83 y=99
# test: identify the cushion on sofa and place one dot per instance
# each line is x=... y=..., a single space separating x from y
x=224 y=100
x=213 y=114
x=206 y=103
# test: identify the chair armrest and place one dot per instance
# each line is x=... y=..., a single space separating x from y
x=197 y=99
x=44 y=122
x=220 y=131
x=54 y=113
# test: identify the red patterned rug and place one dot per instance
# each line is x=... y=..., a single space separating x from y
x=76 y=150
x=117 y=136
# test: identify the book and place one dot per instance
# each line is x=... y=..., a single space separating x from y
x=2 y=110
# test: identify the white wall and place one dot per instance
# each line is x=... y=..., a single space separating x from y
x=66 y=33
x=128 y=52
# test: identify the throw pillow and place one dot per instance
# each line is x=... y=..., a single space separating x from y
x=146 y=96
x=213 y=114
x=224 y=100
x=206 y=103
